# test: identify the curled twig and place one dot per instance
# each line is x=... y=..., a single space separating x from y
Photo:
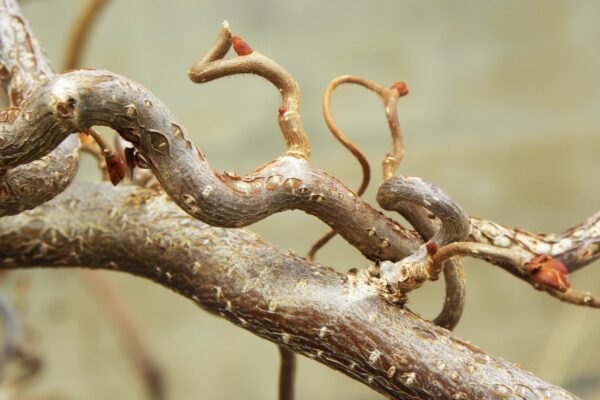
x=455 y=226
x=248 y=61
x=390 y=97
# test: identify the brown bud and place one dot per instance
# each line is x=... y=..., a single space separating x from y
x=548 y=271
x=116 y=168
x=401 y=88
x=241 y=47
x=431 y=247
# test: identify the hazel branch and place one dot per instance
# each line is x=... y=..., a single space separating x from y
x=22 y=65
x=340 y=321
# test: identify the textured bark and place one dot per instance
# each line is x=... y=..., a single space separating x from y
x=340 y=321
x=348 y=322
x=22 y=65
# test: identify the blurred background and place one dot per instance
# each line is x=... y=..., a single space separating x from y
x=502 y=114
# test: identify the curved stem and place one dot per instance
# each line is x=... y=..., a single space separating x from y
x=391 y=161
x=390 y=97
x=248 y=61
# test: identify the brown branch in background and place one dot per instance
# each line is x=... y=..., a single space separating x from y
x=287 y=374
x=110 y=299
x=11 y=335
x=80 y=33
x=15 y=351
x=340 y=321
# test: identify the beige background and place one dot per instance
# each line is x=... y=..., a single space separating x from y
x=502 y=114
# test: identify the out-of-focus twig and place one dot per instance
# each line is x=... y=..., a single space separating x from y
x=110 y=299
x=80 y=33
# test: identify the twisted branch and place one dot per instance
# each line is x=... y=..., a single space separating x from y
x=277 y=296
x=340 y=321
x=22 y=65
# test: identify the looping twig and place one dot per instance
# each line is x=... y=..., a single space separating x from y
x=248 y=61
x=455 y=226
x=391 y=161
x=390 y=97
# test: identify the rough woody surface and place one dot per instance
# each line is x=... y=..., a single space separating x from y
x=338 y=320
x=355 y=323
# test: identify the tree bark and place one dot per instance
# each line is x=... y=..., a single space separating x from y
x=339 y=320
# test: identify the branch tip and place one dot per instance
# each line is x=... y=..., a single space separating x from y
x=401 y=88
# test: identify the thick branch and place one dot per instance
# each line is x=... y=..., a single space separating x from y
x=22 y=65
x=78 y=100
x=341 y=321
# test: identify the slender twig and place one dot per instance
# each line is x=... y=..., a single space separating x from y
x=248 y=61
x=390 y=97
x=287 y=374
x=390 y=164
x=80 y=33
x=542 y=272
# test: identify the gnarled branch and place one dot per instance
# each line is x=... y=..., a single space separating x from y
x=340 y=321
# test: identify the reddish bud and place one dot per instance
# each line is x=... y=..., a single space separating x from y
x=431 y=247
x=282 y=110
x=116 y=169
x=401 y=88
x=241 y=47
x=548 y=271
